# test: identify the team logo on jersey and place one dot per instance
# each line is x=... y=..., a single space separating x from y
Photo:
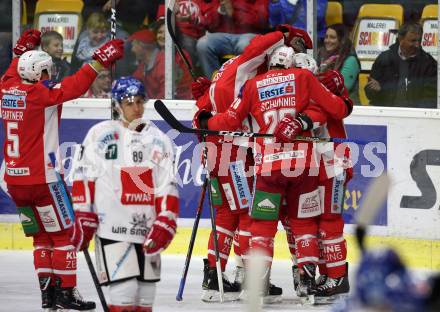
x=276 y=90
x=139 y=224
x=14 y=101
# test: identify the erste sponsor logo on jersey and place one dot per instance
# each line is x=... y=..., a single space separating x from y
x=276 y=90
x=108 y=138
x=284 y=155
x=11 y=101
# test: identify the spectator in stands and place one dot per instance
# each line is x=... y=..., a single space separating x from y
x=96 y=33
x=5 y=35
x=101 y=87
x=192 y=20
x=233 y=24
x=52 y=44
x=148 y=47
x=404 y=75
x=338 y=53
x=295 y=14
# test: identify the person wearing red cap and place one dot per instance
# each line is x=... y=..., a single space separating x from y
x=148 y=47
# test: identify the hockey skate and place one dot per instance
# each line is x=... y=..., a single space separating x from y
x=306 y=289
x=239 y=277
x=69 y=298
x=271 y=293
x=295 y=273
x=47 y=294
x=210 y=286
x=332 y=289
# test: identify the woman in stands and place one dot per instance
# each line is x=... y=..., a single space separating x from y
x=338 y=53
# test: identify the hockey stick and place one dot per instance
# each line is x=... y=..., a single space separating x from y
x=113 y=66
x=376 y=195
x=214 y=228
x=165 y=113
x=170 y=10
x=86 y=251
x=179 y=295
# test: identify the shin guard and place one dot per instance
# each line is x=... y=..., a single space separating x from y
x=224 y=239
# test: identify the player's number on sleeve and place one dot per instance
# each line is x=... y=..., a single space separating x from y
x=272 y=117
x=12 y=140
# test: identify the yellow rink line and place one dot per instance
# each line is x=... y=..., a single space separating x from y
x=417 y=253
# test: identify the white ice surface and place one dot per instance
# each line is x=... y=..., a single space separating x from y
x=19 y=287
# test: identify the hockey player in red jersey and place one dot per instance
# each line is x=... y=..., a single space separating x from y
x=31 y=110
x=335 y=172
x=228 y=161
x=279 y=101
x=130 y=155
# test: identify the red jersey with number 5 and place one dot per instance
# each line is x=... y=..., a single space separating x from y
x=31 y=116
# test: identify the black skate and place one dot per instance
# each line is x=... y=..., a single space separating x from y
x=295 y=273
x=47 y=294
x=332 y=289
x=306 y=289
x=273 y=294
x=321 y=280
x=69 y=298
x=210 y=286
x=239 y=277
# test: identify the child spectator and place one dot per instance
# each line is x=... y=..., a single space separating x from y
x=52 y=44
x=97 y=32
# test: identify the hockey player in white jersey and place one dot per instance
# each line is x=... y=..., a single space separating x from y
x=124 y=176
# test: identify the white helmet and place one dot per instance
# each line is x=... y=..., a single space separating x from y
x=32 y=63
x=305 y=61
x=283 y=57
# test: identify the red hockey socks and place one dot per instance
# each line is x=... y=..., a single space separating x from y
x=224 y=239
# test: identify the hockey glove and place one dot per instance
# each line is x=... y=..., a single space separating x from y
x=199 y=87
x=161 y=233
x=332 y=80
x=295 y=33
x=109 y=52
x=86 y=224
x=288 y=128
x=29 y=40
x=200 y=120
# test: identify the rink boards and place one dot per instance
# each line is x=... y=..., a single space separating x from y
x=410 y=219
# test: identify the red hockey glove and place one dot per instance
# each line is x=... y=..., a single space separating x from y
x=200 y=120
x=332 y=80
x=199 y=87
x=86 y=224
x=109 y=52
x=295 y=33
x=29 y=40
x=287 y=129
x=161 y=233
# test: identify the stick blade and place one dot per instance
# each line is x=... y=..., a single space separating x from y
x=164 y=112
x=375 y=197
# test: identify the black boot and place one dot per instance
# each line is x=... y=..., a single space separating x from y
x=307 y=286
x=210 y=286
x=70 y=298
x=295 y=274
x=47 y=294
